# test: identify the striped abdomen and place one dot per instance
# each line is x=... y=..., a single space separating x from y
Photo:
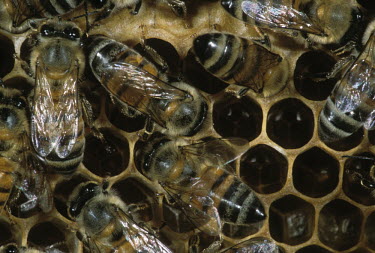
x=235 y=201
x=6 y=180
x=234 y=8
x=235 y=60
x=349 y=106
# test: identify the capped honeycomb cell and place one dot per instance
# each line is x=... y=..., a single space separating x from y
x=6 y=56
x=264 y=169
x=315 y=173
x=370 y=230
x=233 y=117
x=310 y=75
x=106 y=156
x=355 y=171
x=339 y=225
x=291 y=220
x=290 y=123
x=313 y=249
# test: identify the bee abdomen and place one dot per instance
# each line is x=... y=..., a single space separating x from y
x=58 y=7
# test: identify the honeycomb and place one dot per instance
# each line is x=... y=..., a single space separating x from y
x=312 y=204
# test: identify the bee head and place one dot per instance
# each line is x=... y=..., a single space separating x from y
x=81 y=195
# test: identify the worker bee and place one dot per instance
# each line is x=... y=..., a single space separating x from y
x=105 y=223
x=195 y=176
x=135 y=81
x=56 y=61
x=318 y=18
x=350 y=105
x=241 y=62
x=20 y=172
x=17 y=16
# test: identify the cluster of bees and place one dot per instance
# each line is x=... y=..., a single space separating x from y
x=44 y=131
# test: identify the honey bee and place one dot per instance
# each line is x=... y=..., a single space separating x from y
x=105 y=222
x=135 y=81
x=20 y=172
x=196 y=177
x=350 y=105
x=318 y=18
x=57 y=62
x=13 y=248
x=241 y=62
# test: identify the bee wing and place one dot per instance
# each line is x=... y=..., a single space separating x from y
x=140 y=239
x=281 y=16
x=218 y=151
x=7 y=167
x=254 y=245
x=68 y=115
x=199 y=209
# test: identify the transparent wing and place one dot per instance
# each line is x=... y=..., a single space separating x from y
x=197 y=207
x=43 y=118
x=68 y=113
x=140 y=239
x=119 y=77
x=254 y=245
x=278 y=15
x=217 y=151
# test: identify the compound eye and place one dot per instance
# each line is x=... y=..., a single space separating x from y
x=71 y=33
x=98 y=4
x=11 y=249
x=47 y=30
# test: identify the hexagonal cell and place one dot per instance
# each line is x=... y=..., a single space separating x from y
x=140 y=197
x=62 y=193
x=19 y=83
x=127 y=123
x=356 y=174
x=45 y=234
x=199 y=77
x=371 y=136
x=315 y=173
x=290 y=123
x=370 y=230
x=360 y=250
x=108 y=156
x=166 y=52
x=291 y=220
x=310 y=75
x=339 y=225
x=264 y=169
x=6 y=56
x=239 y=232
x=313 y=249
x=233 y=117
x=347 y=143
x=5 y=232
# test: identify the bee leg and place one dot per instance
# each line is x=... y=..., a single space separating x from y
x=135 y=208
x=263 y=38
x=148 y=130
x=105 y=13
x=347 y=48
x=136 y=8
x=340 y=65
x=178 y=7
x=237 y=90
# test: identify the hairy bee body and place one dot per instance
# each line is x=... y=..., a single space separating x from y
x=105 y=224
x=351 y=104
x=190 y=179
x=57 y=126
x=318 y=18
x=241 y=62
x=13 y=248
x=135 y=81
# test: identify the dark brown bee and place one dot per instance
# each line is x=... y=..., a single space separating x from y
x=135 y=81
x=241 y=62
x=196 y=177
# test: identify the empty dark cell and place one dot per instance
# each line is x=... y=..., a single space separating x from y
x=138 y=197
x=371 y=136
x=369 y=5
x=264 y=169
x=45 y=234
x=290 y=123
x=313 y=249
x=128 y=123
x=348 y=142
x=108 y=156
x=358 y=184
x=310 y=75
x=165 y=51
x=291 y=220
x=315 y=173
x=370 y=230
x=19 y=83
x=233 y=117
x=6 y=56
x=201 y=78
x=360 y=250
x=5 y=232
x=339 y=225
